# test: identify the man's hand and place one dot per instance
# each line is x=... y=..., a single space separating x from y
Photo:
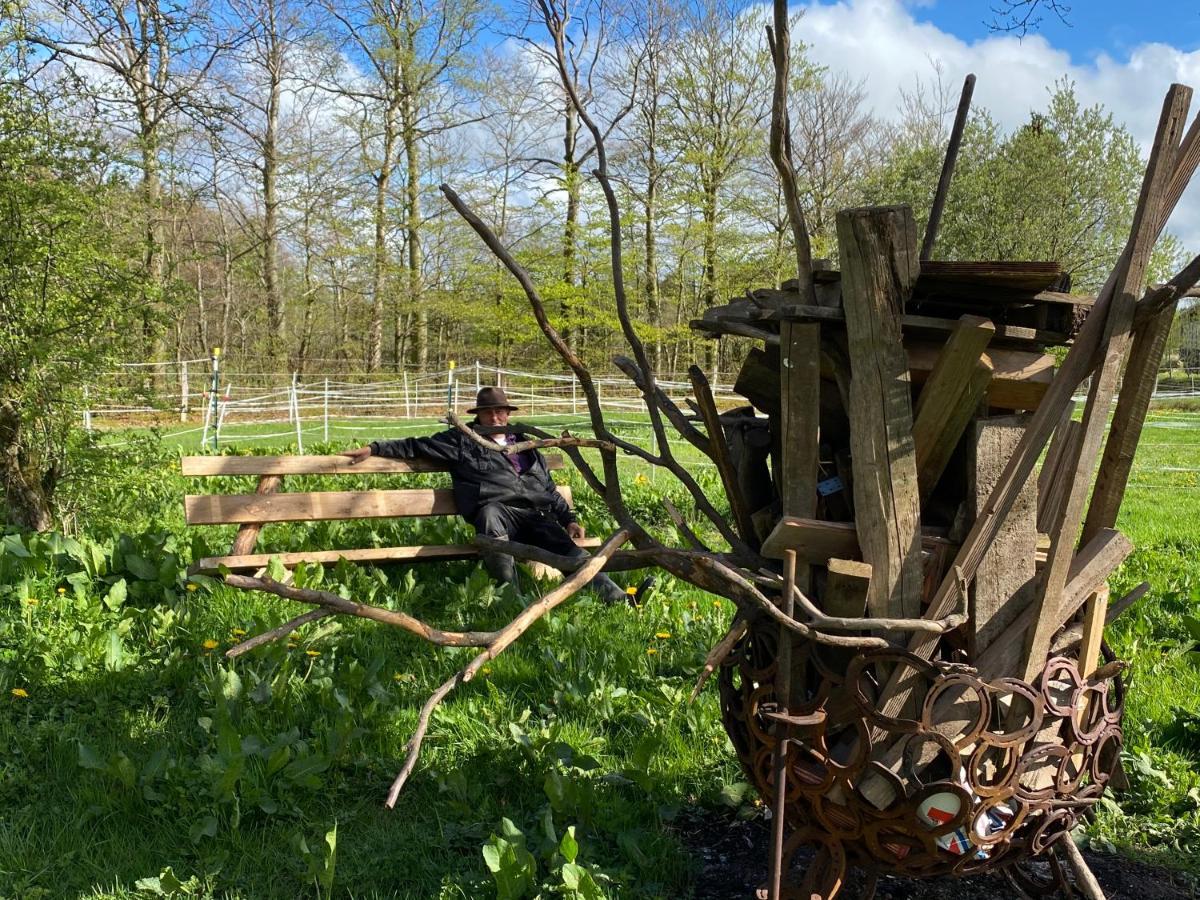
x=575 y=531
x=357 y=456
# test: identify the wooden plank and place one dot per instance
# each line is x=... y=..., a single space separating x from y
x=846 y=588
x=1137 y=387
x=227 y=509
x=415 y=554
x=1093 y=631
x=816 y=540
x=758 y=379
x=800 y=399
x=1020 y=378
x=315 y=465
x=1052 y=491
x=1064 y=529
x=1053 y=458
x=879 y=268
x=720 y=448
x=1006 y=581
x=911 y=323
x=949 y=399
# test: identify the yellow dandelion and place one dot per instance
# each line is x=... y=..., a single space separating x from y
x=639 y=478
x=717 y=604
x=650 y=651
x=631 y=591
x=192 y=588
x=312 y=652
x=20 y=693
x=292 y=646
x=210 y=644
x=487 y=670
x=62 y=590
x=32 y=601
x=663 y=635
x=238 y=632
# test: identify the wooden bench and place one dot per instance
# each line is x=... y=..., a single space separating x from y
x=268 y=504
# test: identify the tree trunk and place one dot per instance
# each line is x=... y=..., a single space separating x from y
x=379 y=266
x=26 y=502
x=276 y=345
x=571 y=226
x=412 y=159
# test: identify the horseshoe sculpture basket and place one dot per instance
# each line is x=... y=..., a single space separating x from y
x=1004 y=768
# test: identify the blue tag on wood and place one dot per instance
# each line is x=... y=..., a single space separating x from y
x=829 y=486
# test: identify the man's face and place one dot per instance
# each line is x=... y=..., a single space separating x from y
x=493 y=417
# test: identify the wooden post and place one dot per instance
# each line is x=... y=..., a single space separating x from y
x=325 y=399
x=950 y=398
x=846 y=588
x=1005 y=582
x=1137 y=387
x=879 y=269
x=720 y=448
x=800 y=386
x=183 y=391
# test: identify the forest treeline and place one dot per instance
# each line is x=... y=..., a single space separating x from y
x=270 y=168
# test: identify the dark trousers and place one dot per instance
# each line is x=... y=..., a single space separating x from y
x=533 y=527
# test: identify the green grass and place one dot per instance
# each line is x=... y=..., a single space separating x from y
x=138 y=748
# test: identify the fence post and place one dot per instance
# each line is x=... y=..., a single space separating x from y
x=87 y=411
x=407 y=405
x=214 y=399
x=478 y=384
x=450 y=388
x=224 y=408
x=296 y=415
x=326 y=399
x=183 y=391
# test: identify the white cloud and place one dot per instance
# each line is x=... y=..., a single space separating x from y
x=882 y=41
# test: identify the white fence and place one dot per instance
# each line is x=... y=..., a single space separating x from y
x=319 y=407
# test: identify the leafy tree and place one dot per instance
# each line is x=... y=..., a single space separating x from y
x=73 y=295
x=1061 y=187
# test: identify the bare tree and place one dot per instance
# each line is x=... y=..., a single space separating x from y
x=144 y=63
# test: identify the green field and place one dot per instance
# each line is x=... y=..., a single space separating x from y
x=129 y=746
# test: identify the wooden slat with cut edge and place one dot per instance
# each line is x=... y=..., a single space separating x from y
x=414 y=554
x=721 y=457
x=194 y=466
x=846 y=588
x=879 y=268
x=817 y=541
x=949 y=398
x=230 y=509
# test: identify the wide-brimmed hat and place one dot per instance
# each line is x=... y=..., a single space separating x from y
x=491 y=398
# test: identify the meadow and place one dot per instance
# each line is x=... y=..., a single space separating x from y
x=137 y=761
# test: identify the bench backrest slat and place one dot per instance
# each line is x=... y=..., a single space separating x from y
x=229 y=509
x=315 y=465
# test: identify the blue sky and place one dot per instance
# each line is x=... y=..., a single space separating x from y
x=1123 y=61
x=1093 y=27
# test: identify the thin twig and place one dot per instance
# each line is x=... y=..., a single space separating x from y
x=682 y=526
x=337 y=604
x=501 y=641
x=281 y=631
x=719 y=652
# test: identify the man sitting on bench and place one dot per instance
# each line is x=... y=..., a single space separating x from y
x=507 y=497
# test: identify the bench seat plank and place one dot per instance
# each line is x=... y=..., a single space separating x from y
x=194 y=466
x=233 y=509
x=254 y=561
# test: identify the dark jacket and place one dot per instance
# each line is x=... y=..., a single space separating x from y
x=481 y=476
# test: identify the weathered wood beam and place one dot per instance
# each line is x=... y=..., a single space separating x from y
x=846 y=588
x=800 y=400
x=949 y=399
x=1006 y=581
x=817 y=541
x=879 y=268
x=720 y=452
x=1137 y=387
